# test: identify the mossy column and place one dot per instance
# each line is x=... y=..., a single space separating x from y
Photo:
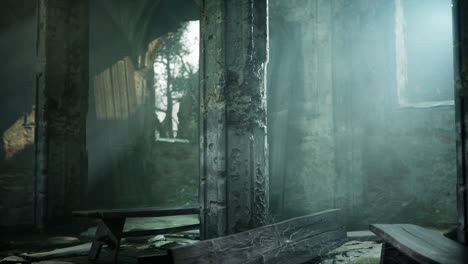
x=234 y=163
x=62 y=97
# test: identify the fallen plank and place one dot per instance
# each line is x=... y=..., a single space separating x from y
x=53 y=262
x=154 y=232
x=293 y=241
x=414 y=244
x=13 y=259
x=79 y=250
x=139 y=212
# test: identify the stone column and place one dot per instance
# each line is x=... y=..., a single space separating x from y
x=234 y=163
x=62 y=97
x=460 y=9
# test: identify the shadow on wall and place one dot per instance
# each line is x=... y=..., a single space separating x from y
x=17 y=50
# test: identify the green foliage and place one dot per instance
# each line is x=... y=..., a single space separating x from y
x=172 y=47
x=175 y=82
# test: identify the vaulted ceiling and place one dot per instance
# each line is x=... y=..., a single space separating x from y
x=125 y=28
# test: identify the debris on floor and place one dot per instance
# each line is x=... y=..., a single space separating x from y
x=13 y=259
x=63 y=241
x=79 y=250
x=361 y=249
x=354 y=252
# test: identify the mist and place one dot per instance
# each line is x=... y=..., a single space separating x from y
x=361 y=116
x=360 y=110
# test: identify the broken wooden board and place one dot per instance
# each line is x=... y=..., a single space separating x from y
x=139 y=212
x=13 y=259
x=293 y=241
x=406 y=243
x=80 y=250
x=161 y=231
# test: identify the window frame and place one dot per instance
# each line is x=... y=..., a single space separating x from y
x=401 y=55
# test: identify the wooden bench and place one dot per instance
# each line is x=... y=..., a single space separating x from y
x=293 y=241
x=408 y=244
x=110 y=229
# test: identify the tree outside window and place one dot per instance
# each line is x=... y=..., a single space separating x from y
x=176 y=83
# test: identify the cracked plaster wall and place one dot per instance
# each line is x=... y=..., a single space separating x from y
x=338 y=137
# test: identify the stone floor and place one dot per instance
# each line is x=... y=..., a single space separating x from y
x=355 y=252
x=66 y=248
x=363 y=247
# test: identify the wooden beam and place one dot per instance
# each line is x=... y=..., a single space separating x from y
x=162 y=231
x=460 y=9
x=139 y=212
x=234 y=167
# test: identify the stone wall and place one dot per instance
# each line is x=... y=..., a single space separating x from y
x=300 y=108
x=62 y=102
x=17 y=47
x=175 y=181
x=338 y=136
x=395 y=163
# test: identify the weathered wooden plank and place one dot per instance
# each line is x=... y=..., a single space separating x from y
x=103 y=95
x=130 y=78
x=100 y=99
x=422 y=245
x=109 y=95
x=109 y=232
x=139 y=212
x=78 y=250
x=154 y=232
x=293 y=241
x=114 y=71
x=97 y=106
x=123 y=88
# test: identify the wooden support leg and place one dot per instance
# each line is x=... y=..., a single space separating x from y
x=391 y=255
x=95 y=250
x=109 y=232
